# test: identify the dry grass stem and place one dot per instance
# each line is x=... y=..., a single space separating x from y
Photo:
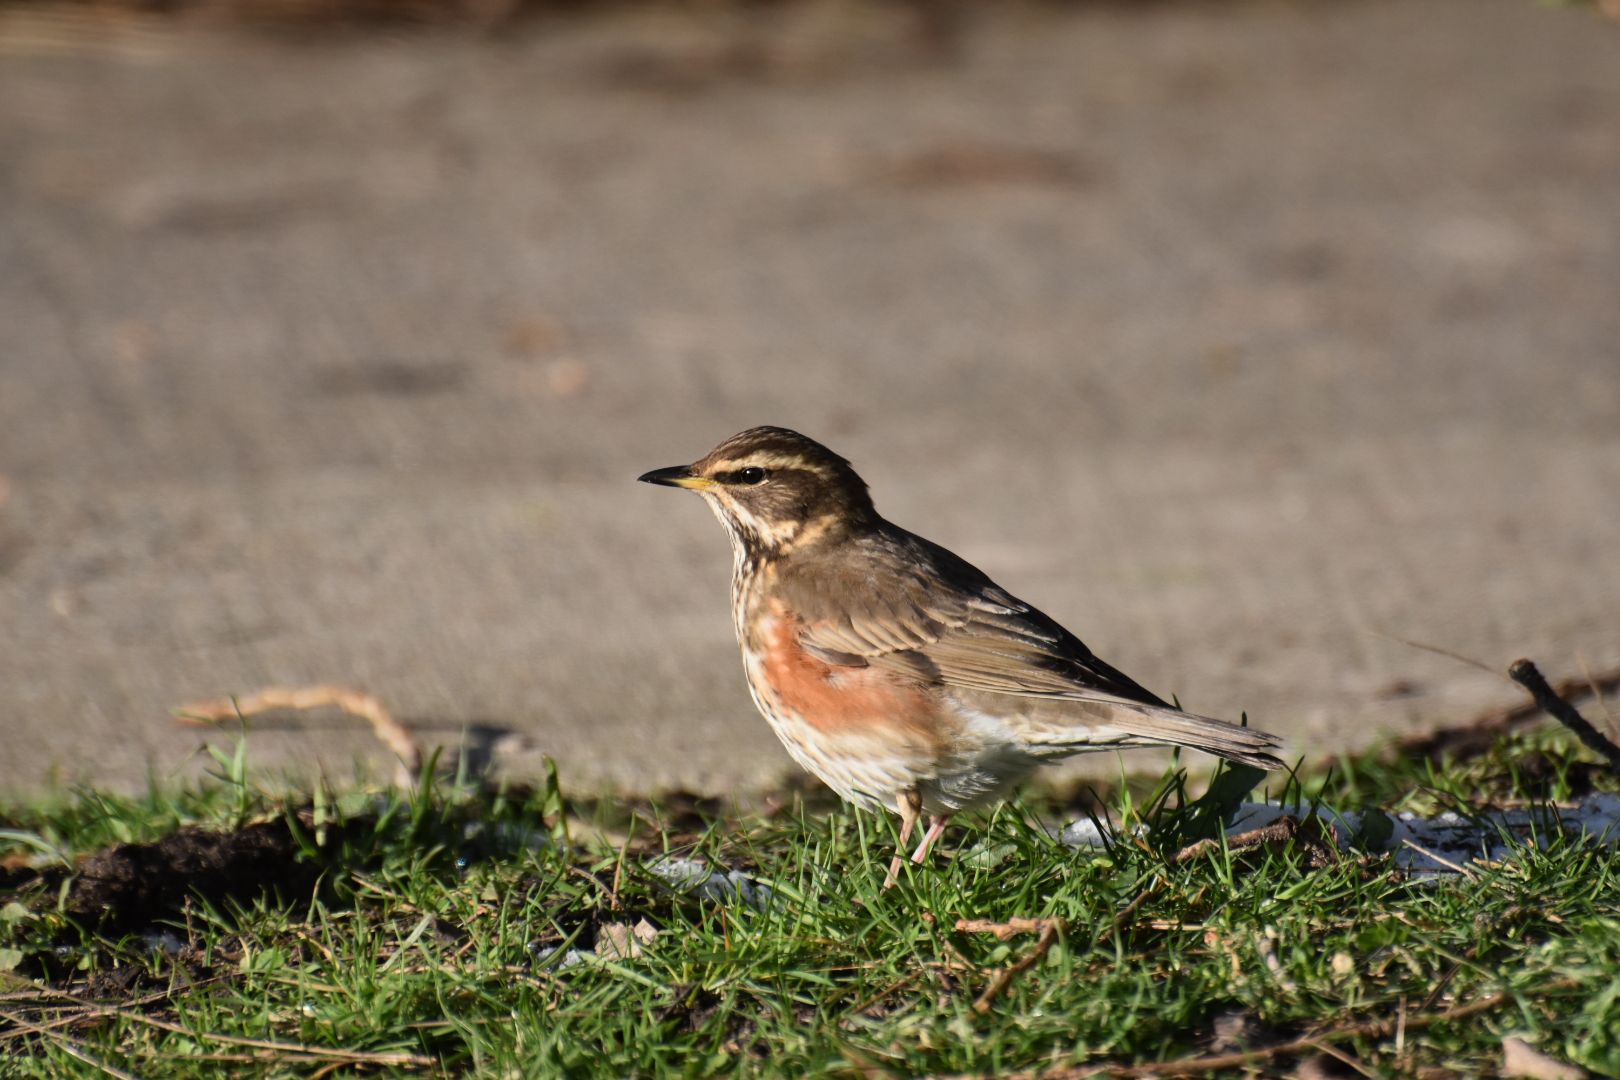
x=390 y=732
x=1050 y=930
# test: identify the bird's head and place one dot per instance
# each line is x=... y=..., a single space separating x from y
x=775 y=490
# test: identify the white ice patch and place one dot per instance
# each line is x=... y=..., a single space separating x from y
x=1444 y=844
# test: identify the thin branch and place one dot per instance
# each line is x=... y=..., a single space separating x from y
x=1050 y=932
x=1527 y=675
x=1004 y=931
x=1478 y=734
x=76 y=1009
x=68 y=1046
x=390 y=732
x=867 y=1003
x=367 y=1057
x=1208 y=1063
x=1130 y=909
x=1323 y=849
x=1457 y=868
x=1371 y=1029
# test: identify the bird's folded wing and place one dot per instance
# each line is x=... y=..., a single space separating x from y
x=949 y=622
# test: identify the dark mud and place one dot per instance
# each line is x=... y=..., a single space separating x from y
x=129 y=886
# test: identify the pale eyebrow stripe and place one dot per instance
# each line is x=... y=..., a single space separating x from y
x=769 y=461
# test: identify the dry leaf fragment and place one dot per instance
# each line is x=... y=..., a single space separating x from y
x=621 y=941
x=1519 y=1058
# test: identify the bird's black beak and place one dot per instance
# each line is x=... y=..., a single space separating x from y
x=680 y=476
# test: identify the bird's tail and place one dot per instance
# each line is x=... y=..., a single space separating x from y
x=1217 y=737
x=1117 y=723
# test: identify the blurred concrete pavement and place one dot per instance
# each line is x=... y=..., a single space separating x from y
x=1236 y=336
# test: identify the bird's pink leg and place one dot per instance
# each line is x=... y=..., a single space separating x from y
x=936 y=827
x=909 y=803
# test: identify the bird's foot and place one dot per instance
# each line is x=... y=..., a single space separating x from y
x=936 y=829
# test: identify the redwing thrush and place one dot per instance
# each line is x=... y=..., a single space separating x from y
x=894 y=670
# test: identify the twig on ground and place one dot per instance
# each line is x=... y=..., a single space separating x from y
x=390 y=732
x=1318 y=838
x=1476 y=736
x=87 y=1010
x=867 y=1002
x=1005 y=931
x=1050 y=930
x=1550 y=701
x=1124 y=913
x=1208 y=1063
x=67 y=1045
x=302 y=1051
x=77 y=1009
x=1454 y=867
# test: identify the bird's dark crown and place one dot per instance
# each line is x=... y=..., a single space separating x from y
x=776 y=489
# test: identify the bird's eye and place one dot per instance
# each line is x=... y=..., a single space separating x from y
x=751 y=475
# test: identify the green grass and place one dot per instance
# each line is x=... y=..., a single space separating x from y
x=456 y=933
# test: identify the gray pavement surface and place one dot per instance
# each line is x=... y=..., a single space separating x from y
x=1235 y=336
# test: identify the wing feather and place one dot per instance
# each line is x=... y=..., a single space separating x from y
x=945 y=617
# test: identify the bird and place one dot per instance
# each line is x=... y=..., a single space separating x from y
x=894 y=670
